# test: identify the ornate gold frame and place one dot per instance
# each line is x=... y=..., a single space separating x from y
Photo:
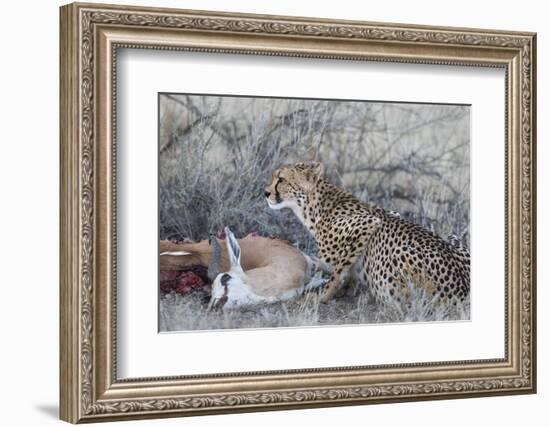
x=90 y=36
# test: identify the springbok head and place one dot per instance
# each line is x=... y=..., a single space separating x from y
x=231 y=289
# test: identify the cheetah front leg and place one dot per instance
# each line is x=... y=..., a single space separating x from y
x=347 y=258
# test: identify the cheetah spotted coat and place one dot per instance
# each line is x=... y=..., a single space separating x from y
x=392 y=254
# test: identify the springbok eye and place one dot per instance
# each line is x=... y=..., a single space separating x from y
x=225 y=279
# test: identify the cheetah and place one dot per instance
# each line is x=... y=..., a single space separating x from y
x=391 y=253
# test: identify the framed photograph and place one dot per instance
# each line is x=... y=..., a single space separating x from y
x=267 y=212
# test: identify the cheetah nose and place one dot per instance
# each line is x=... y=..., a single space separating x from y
x=267 y=194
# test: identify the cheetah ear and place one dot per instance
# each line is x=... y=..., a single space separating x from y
x=315 y=171
x=310 y=173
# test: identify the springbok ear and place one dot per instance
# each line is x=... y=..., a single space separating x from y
x=233 y=249
x=214 y=264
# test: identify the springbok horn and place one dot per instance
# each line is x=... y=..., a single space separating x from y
x=214 y=264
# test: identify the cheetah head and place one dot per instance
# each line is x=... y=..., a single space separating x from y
x=290 y=184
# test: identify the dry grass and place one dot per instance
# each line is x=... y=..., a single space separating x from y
x=217 y=155
x=180 y=313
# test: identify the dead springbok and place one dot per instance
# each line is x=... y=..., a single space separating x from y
x=281 y=273
x=252 y=270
